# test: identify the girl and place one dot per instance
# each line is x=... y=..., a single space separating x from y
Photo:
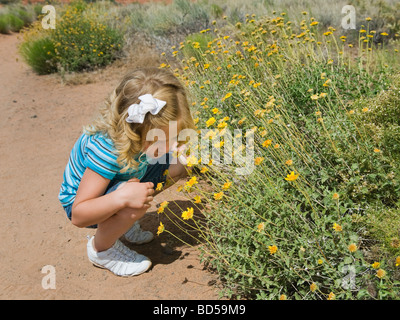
x=109 y=182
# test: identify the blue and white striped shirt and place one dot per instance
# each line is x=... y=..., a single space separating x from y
x=98 y=153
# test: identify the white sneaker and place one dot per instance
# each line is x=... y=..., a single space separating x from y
x=136 y=235
x=119 y=259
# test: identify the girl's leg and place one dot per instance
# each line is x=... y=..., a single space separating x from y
x=113 y=228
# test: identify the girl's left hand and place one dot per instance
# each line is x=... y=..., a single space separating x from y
x=181 y=152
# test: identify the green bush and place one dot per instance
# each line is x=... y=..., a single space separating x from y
x=40 y=55
x=82 y=40
x=294 y=226
x=9 y=22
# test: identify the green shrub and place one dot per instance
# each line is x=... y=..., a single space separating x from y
x=40 y=55
x=82 y=40
x=10 y=22
x=293 y=227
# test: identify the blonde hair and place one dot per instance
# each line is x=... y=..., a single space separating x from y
x=129 y=138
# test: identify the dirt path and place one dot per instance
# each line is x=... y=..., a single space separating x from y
x=40 y=121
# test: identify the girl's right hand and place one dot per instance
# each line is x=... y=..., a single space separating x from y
x=136 y=194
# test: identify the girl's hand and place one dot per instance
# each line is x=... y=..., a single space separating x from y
x=180 y=152
x=136 y=194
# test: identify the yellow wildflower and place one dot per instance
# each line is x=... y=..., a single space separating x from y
x=282 y=297
x=219 y=195
x=335 y=196
x=352 y=247
x=313 y=287
x=227 y=185
x=331 y=296
x=272 y=249
x=398 y=261
x=381 y=273
x=337 y=227
x=192 y=181
x=192 y=160
x=204 y=170
x=197 y=199
x=289 y=162
x=258 y=160
x=160 y=229
x=210 y=121
x=228 y=95
x=159 y=186
x=163 y=205
x=292 y=176
x=267 y=143
x=376 y=265
x=188 y=214
x=261 y=227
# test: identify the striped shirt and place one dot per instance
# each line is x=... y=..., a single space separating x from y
x=98 y=153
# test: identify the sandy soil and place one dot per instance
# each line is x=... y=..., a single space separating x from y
x=40 y=120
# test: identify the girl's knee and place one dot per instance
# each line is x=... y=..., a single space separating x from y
x=131 y=214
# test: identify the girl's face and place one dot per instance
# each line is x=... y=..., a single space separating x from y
x=159 y=144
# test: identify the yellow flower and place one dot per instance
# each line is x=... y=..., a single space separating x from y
x=314 y=97
x=204 y=170
x=228 y=95
x=313 y=287
x=398 y=261
x=261 y=227
x=219 y=195
x=381 y=273
x=335 y=196
x=331 y=296
x=188 y=214
x=227 y=185
x=376 y=265
x=215 y=110
x=365 y=109
x=160 y=229
x=163 y=205
x=159 y=186
x=192 y=160
x=206 y=66
x=272 y=249
x=197 y=199
x=320 y=261
x=384 y=34
x=210 y=121
x=376 y=150
x=258 y=160
x=267 y=143
x=352 y=247
x=291 y=176
x=192 y=181
x=282 y=297
x=337 y=227
x=289 y=162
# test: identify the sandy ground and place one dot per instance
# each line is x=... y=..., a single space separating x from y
x=41 y=118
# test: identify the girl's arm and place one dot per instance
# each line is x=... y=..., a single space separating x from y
x=92 y=206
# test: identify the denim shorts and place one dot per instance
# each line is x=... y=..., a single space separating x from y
x=154 y=173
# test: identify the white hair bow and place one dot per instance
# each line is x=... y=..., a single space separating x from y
x=137 y=112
